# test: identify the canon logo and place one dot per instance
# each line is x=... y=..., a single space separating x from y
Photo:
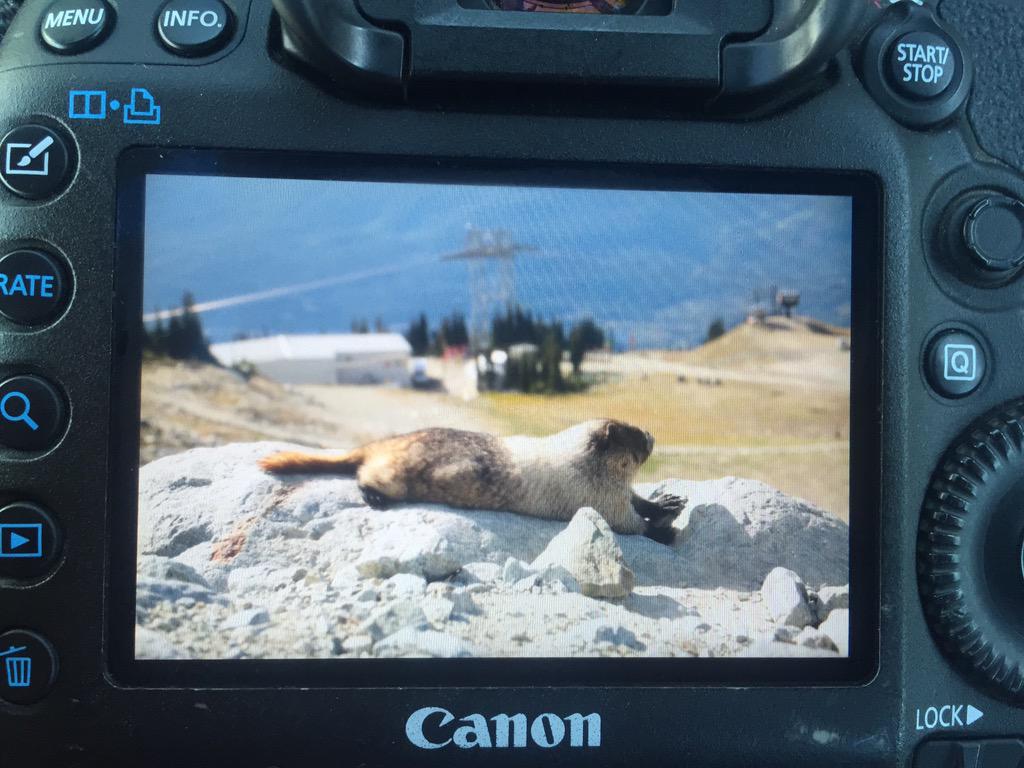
x=436 y=728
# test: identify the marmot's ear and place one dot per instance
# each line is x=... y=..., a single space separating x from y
x=614 y=433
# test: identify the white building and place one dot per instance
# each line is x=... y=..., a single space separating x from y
x=329 y=358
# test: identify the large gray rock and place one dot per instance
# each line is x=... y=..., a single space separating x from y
x=223 y=543
x=734 y=531
x=587 y=549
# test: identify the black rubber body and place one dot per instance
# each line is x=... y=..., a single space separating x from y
x=7 y=11
x=983 y=24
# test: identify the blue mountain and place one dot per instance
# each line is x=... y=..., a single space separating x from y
x=654 y=267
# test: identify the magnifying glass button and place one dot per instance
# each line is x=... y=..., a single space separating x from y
x=33 y=414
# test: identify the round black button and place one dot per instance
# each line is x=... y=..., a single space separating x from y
x=74 y=26
x=29 y=542
x=955 y=363
x=34 y=162
x=32 y=287
x=922 y=65
x=994 y=233
x=28 y=667
x=194 y=27
x=32 y=414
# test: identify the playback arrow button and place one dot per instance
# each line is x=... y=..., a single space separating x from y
x=29 y=542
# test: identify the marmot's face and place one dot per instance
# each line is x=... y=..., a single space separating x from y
x=623 y=446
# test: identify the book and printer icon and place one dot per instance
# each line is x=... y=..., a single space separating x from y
x=140 y=109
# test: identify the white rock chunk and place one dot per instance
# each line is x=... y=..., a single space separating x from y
x=837 y=629
x=587 y=549
x=785 y=596
x=473 y=573
x=810 y=637
x=405 y=585
x=831 y=598
x=357 y=643
x=437 y=610
x=424 y=642
x=252 y=617
x=154 y=645
x=387 y=619
x=515 y=570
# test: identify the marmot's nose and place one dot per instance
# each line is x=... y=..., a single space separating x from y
x=650 y=441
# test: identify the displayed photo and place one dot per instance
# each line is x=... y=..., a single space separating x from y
x=414 y=420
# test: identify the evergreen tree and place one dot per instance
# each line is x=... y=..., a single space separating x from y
x=515 y=326
x=418 y=336
x=717 y=329
x=175 y=338
x=154 y=340
x=182 y=337
x=551 y=364
x=584 y=337
x=527 y=372
x=194 y=341
x=453 y=332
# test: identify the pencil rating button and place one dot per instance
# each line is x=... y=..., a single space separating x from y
x=34 y=162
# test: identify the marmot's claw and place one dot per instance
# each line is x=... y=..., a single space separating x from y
x=670 y=507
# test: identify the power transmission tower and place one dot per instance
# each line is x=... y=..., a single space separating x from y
x=490 y=255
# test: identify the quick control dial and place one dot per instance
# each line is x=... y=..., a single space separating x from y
x=994 y=233
x=981 y=237
x=971 y=551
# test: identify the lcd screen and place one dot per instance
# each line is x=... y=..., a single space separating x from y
x=484 y=418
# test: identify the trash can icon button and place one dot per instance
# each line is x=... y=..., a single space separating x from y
x=19 y=668
x=28 y=667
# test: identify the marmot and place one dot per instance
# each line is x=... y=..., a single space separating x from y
x=589 y=465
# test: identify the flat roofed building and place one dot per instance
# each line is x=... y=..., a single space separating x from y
x=327 y=358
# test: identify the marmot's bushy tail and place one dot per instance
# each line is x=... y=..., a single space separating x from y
x=298 y=463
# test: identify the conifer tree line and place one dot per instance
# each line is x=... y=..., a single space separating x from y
x=538 y=370
x=181 y=337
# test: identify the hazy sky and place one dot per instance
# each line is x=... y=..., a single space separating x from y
x=657 y=266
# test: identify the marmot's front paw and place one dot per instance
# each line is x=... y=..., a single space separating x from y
x=662 y=535
x=669 y=507
x=374 y=498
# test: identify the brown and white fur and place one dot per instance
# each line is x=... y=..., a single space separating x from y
x=592 y=464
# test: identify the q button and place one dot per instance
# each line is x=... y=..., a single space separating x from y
x=955 y=363
x=32 y=414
